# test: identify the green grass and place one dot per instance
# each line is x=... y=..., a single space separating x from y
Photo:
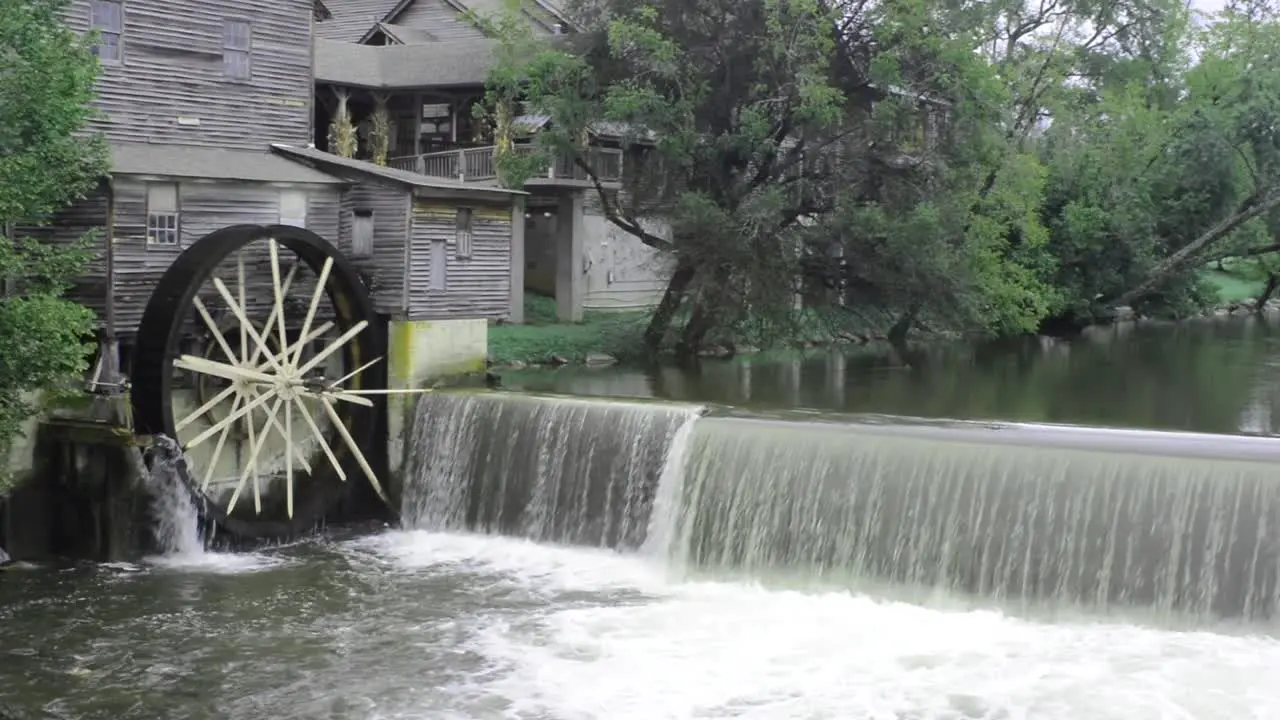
x=617 y=333
x=1232 y=286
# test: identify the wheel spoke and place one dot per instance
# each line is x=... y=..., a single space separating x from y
x=334 y=346
x=346 y=397
x=271 y=319
x=206 y=366
x=244 y=335
x=288 y=459
x=273 y=423
x=302 y=342
x=205 y=408
x=244 y=410
x=253 y=458
x=324 y=444
x=278 y=308
x=222 y=441
x=353 y=446
x=315 y=302
x=248 y=325
x=354 y=373
x=213 y=328
x=252 y=466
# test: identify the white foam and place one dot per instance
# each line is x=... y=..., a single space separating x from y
x=719 y=650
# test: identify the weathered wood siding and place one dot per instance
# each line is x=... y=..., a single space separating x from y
x=203 y=208
x=352 y=19
x=385 y=268
x=439 y=18
x=170 y=87
x=65 y=228
x=475 y=287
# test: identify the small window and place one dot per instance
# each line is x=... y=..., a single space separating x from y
x=107 y=18
x=439 y=265
x=237 y=41
x=293 y=208
x=162 y=214
x=463 y=232
x=362 y=233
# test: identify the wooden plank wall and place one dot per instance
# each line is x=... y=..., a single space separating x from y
x=205 y=207
x=385 y=269
x=172 y=69
x=476 y=287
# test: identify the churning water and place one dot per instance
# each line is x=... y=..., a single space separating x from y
x=589 y=560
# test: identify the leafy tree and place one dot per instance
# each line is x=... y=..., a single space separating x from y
x=47 y=75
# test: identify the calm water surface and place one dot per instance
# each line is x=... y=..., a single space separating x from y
x=1209 y=376
x=416 y=624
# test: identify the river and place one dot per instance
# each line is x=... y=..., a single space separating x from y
x=728 y=544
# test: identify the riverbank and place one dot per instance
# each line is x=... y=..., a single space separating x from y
x=605 y=338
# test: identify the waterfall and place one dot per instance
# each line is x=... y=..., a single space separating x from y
x=547 y=468
x=1174 y=523
x=177 y=521
x=1073 y=516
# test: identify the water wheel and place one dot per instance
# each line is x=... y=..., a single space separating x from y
x=260 y=355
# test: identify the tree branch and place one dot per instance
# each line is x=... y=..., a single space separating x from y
x=1250 y=209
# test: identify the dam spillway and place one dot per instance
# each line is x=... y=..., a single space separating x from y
x=1108 y=520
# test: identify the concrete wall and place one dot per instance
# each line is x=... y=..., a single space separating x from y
x=420 y=351
x=619 y=271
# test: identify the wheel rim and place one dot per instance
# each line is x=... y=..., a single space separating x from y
x=301 y=369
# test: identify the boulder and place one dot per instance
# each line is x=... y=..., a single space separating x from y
x=600 y=359
x=4 y=557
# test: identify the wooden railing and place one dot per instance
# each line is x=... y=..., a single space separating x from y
x=477 y=164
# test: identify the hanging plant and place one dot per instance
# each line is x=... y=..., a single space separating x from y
x=380 y=130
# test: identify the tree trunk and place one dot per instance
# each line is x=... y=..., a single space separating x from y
x=694 y=332
x=1273 y=281
x=677 y=286
x=1175 y=262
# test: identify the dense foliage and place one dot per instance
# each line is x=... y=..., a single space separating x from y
x=47 y=74
x=999 y=167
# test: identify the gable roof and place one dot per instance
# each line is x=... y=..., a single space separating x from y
x=424 y=65
x=351 y=19
x=336 y=163
x=185 y=161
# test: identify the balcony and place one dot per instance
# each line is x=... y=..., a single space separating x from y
x=477 y=165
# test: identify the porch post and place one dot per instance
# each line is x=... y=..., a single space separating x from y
x=515 y=311
x=570 y=231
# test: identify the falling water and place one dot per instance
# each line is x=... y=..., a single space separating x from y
x=177 y=521
x=1171 y=522
x=546 y=468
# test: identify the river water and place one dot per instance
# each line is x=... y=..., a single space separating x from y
x=573 y=559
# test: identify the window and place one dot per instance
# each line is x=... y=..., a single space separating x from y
x=293 y=208
x=107 y=18
x=439 y=260
x=362 y=233
x=162 y=214
x=237 y=39
x=463 y=232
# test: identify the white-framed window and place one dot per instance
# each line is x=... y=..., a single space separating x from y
x=463 y=232
x=362 y=233
x=237 y=45
x=107 y=18
x=439 y=266
x=293 y=208
x=162 y=214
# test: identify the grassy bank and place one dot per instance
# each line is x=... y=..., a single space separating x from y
x=1234 y=285
x=541 y=338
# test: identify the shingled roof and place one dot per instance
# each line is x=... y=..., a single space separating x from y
x=343 y=166
x=351 y=19
x=435 y=64
x=185 y=161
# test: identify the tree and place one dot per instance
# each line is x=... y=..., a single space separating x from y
x=47 y=75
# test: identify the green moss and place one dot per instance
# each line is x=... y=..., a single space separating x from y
x=616 y=334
